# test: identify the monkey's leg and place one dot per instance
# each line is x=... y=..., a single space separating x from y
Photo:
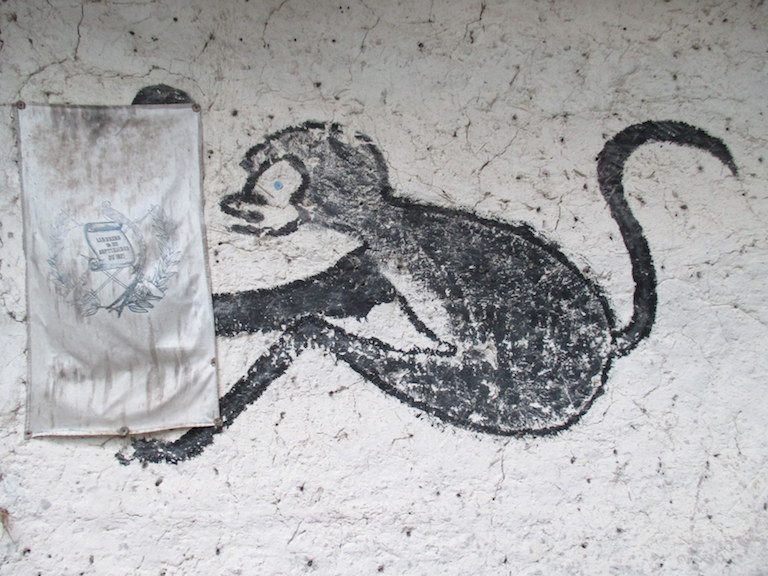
x=247 y=390
x=435 y=381
x=373 y=359
x=469 y=390
x=243 y=393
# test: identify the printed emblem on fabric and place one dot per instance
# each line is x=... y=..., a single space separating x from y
x=113 y=263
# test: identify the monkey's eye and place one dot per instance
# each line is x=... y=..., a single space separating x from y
x=278 y=183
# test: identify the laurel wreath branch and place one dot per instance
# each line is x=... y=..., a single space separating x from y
x=152 y=287
x=58 y=232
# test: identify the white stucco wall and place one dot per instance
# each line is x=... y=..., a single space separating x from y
x=495 y=107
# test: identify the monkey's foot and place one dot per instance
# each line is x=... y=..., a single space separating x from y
x=190 y=444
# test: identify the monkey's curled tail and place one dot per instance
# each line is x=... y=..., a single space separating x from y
x=610 y=173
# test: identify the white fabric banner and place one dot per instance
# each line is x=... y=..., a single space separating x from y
x=121 y=334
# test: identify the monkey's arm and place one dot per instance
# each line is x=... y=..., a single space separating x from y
x=350 y=288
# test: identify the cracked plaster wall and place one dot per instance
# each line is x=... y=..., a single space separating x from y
x=496 y=107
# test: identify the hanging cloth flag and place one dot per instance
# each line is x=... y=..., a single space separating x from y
x=120 y=320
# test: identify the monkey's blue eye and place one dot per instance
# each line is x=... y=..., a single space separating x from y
x=278 y=185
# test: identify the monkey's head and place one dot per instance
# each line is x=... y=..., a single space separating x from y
x=310 y=173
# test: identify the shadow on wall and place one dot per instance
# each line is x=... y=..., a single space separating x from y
x=517 y=340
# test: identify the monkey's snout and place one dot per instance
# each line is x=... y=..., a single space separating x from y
x=244 y=206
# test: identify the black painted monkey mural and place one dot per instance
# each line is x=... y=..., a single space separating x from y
x=524 y=341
